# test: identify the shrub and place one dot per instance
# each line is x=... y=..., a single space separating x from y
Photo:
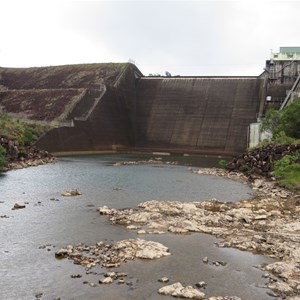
x=3 y=161
x=290 y=120
x=287 y=170
x=222 y=163
x=285 y=121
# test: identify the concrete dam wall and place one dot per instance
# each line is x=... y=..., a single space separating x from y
x=203 y=114
x=113 y=107
x=103 y=120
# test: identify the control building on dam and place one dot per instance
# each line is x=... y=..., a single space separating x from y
x=101 y=107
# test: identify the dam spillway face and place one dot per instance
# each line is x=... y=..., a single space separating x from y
x=114 y=107
x=205 y=114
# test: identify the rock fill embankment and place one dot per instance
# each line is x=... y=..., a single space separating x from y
x=260 y=161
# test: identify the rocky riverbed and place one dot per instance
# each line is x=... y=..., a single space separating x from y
x=268 y=224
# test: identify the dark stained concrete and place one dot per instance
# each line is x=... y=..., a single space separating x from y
x=112 y=106
x=207 y=114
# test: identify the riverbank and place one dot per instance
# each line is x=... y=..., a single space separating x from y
x=268 y=224
x=30 y=162
x=19 y=156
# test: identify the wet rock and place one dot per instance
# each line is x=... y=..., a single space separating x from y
x=19 y=205
x=155 y=161
x=150 y=250
x=201 y=284
x=177 y=229
x=121 y=274
x=110 y=274
x=71 y=192
x=205 y=260
x=61 y=253
x=219 y=263
x=106 y=280
x=104 y=210
x=178 y=290
x=54 y=199
x=281 y=287
x=272 y=294
x=76 y=276
x=113 y=255
x=91 y=284
x=164 y=279
x=224 y=298
x=132 y=227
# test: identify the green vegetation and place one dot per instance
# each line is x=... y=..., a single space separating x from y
x=3 y=161
x=285 y=128
x=16 y=130
x=222 y=163
x=287 y=170
x=284 y=122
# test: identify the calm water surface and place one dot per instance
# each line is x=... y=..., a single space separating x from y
x=27 y=270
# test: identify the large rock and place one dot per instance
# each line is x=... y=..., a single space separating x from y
x=151 y=250
x=178 y=290
x=142 y=249
x=71 y=192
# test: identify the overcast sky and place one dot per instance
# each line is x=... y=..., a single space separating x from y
x=182 y=37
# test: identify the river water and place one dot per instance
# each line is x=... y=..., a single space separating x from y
x=29 y=237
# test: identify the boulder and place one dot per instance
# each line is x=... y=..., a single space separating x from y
x=104 y=210
x=106 y=280
x=178 y=290
x=151 y=250
x=71 y=192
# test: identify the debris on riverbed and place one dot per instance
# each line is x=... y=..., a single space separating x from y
x=71 y=192
x=269 y=224
x=19 y=205
x=178 y=290
x=112 y=255
x=156 y=161
x=110 y=277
